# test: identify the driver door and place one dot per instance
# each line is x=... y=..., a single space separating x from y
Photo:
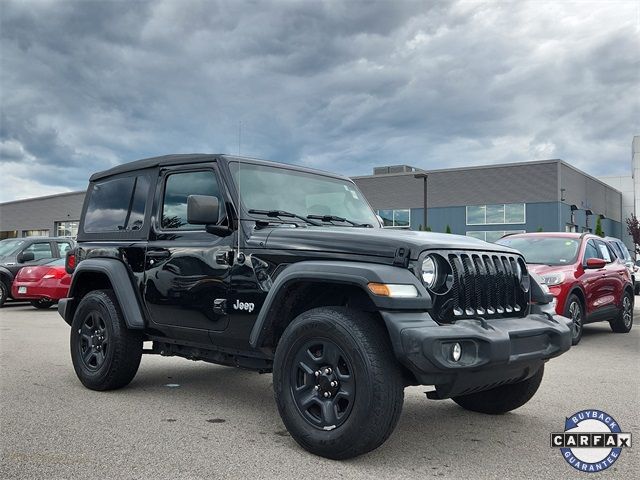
x=187 y=277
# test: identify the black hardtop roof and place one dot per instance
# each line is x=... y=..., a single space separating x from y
x=188 y=158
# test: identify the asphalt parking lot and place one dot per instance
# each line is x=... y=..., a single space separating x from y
x=183 y=419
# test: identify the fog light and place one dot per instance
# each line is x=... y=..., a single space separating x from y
x=456 y=352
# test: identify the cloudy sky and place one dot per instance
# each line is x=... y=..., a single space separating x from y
x=342 y=86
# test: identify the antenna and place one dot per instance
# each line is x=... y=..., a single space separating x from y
x=240 y=255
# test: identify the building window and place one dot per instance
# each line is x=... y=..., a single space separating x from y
x=67 y=229
x=8 y=234
x=491 y=235
x=35 y=233
x=506 y=213
x=396 y=218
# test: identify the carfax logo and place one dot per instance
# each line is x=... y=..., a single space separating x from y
x=592 y=440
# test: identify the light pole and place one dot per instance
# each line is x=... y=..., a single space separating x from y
x=424 y=177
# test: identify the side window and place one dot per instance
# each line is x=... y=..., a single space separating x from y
x=40 y=250
x=605 y=252
x=117 y=205
x=177 y=188
x=63 y=248
x=591 y=251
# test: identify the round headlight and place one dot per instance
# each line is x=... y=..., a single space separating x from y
x=429 y=271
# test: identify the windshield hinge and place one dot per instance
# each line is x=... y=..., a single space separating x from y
x=401 y=258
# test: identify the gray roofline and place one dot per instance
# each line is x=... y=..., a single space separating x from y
x=45 y=197
x=496 y=165
x=453 y=169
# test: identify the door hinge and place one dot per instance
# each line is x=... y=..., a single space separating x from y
x=401 y=258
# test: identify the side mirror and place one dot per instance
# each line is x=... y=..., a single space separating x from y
x=202 y=210
x=595 y=263
x=25 y=257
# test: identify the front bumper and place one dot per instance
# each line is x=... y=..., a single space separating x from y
x=494 y=352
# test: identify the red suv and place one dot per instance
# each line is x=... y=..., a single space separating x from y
x=583 y=274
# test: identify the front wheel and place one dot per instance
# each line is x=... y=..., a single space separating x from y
x=337 y=385
x=502 y=399
x=623 y=321
x=105 y=354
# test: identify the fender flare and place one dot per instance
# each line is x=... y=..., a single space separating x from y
x=341 y=272
x=121 y=283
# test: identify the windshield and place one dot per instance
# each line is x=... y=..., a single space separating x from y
x=9 y=245
x=544 y=250
x=272 y=188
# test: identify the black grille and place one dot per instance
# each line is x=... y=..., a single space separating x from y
x=480 y=284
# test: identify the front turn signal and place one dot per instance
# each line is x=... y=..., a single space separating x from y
x=393 y=290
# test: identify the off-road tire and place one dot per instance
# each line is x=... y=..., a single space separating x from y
x=377 y=381
x=42 y=304
x=4 y=293
x=502 y=399
x=621 y=323
x=123 y=350
x=577 y=326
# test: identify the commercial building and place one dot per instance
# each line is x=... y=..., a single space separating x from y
x=489 y=201
x=53 y=215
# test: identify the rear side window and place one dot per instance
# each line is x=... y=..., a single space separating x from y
x=177 y=188
x=117 y=205
x=40 y=250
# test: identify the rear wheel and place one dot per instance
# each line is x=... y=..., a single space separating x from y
x=624 y=320
x=105 y=354
x=575 y=312
x=338 y=387
x=42 y=304
x=502 y=399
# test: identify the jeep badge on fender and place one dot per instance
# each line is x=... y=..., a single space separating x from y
x=345 y=314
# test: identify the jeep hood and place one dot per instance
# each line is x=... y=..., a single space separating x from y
x=366 y=241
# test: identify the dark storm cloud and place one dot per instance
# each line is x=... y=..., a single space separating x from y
x=336 y=85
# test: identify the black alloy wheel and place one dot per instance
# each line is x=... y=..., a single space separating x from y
x=105 y=353
x=323 y=383
x=94 y=340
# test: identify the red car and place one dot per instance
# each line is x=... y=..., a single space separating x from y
x=43 y=284
x=583 y=274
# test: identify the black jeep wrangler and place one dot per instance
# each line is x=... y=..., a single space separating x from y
x=283 y=269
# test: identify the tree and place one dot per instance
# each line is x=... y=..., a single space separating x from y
x=599 y=230
x=448 y=229
x=540 y=229
x=633 y=229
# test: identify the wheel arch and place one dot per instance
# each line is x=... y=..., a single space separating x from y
x=104 y=273
x=307 y=285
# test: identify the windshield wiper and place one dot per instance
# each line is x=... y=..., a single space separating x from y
x=285 y=214
x=334 y=218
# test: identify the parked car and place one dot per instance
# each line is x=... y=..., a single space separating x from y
x=197 y=254
x=625 y=257
x=42 y=284
x=16 y=253
x=584 y=276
